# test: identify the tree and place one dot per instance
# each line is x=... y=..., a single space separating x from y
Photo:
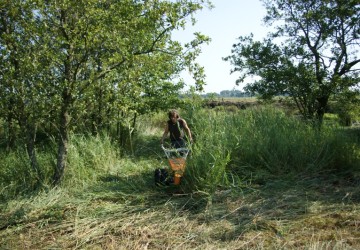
x=312 y=54
x=21 y=94
x=95 y=52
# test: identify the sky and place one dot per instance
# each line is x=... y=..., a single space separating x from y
x=227 y=21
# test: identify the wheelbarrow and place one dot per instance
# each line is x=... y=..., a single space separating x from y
x=177 y=161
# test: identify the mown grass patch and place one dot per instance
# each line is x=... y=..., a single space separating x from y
x=278 y=215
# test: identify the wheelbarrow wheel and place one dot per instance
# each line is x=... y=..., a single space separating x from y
x=162 y=177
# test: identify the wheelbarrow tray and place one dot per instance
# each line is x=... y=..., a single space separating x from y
x=177 y=161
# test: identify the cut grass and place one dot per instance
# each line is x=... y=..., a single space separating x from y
x=129 y=212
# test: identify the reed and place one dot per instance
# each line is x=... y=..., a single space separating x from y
x=263 y=143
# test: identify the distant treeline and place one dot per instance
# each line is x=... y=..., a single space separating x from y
x=229 y=93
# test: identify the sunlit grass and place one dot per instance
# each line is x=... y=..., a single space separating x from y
x=255 y=179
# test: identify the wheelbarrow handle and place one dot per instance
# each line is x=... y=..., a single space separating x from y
x=175 y=150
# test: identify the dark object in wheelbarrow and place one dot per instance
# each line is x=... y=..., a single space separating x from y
x=162 y=177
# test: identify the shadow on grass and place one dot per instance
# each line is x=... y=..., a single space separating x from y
x=252 y=208
x=283 y=198
x=148 y=147
x=271 y=206
x=330 y=199
x=140 y=190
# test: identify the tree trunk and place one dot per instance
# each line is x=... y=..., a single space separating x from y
x=10 y=133
x=321 y=108
x=30 y=147
x=63 y=141
x=28 y=131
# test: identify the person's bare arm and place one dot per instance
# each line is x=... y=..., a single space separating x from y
x=187 y=130
x=166 y=131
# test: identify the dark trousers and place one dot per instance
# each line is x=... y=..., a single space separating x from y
x=180 y=143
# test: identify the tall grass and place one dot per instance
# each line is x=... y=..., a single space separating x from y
x=230 y=147
x=16 y=175
x=89 y=157
x=263 y=142
x=210 y=153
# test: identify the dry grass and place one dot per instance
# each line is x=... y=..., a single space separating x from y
x=310 y=213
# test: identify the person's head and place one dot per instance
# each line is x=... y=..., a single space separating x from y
x=173 y=115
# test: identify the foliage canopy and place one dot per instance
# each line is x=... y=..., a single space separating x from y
x=312 y=54
x=70 y=65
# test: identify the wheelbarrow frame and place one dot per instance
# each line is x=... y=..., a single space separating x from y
x=177 y=161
